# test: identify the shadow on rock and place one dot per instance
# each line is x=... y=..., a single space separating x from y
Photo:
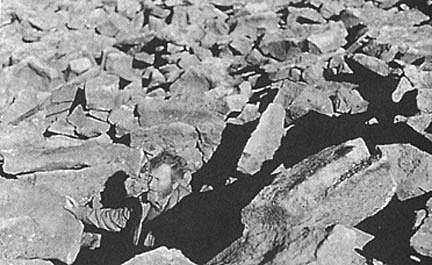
x=393 y=228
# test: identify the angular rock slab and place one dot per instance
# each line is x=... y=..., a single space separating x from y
x=330 y=39
x=339 y=247
x=74 y=157
x=34 y=224
x=264 y=141
x=24 y=262
x=82 y=185
x=160 y=256
x=411 y=168
x=422 y=239
x=289 y=218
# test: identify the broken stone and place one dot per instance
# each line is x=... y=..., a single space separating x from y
x=80 y=65
x=35 y=224
x=424 y=100
x=340 y=246
x=155 y=77
x=61 y=126
x=42 y=68
x=242 y=44
x=347 y=100
x=245 y=89
x=160 y=256
x=255 y=57
x=264 y=141
x=100 y=115
x=82 y=184
x=202 y=53
x=171 y=72
x=65 y=94
x=236 y=102
x=124 y=118
x=421 y=241
x=306 y=15
x=157 y=11
x=248 y=114
x=279 y=49
x=372 y=63
x=101 y=91
x=190 y=83
x=120 y=22
x=216 y=71
x=120 y=64
x=89 y=153
x=158 y=93
x=403 y=87
x=410 y=168
x=420 y=217
x=108 y=28
x=128 y=7
x=330 y=39
x=85 y=125
x=254 y=24
x=172 y=48
x=313 y=73
x=311 y=98
x=24 y=262
x=156 y=24
x=24 y=101
x=321 y=191
x=419 y=79
x=188 y=60
x=145 y=57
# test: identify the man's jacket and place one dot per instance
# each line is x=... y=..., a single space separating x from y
x=116 y=219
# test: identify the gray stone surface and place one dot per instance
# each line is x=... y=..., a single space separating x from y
x=160 y=256
x=34 y=224
x=264 y=141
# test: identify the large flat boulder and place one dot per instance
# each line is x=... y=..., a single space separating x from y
x=73 y=157
x=34 y=224
x=289 y=219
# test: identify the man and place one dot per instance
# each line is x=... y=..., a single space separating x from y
x=164 y=174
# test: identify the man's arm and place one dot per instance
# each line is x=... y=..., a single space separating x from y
x=108 y=219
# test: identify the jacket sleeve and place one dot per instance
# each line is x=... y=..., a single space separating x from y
x=108 y=219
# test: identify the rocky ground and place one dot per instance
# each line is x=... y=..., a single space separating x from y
x=306 y=125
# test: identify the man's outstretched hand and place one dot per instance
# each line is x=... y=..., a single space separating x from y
x=74 y=207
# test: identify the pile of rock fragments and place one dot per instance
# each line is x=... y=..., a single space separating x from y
x=332 y=99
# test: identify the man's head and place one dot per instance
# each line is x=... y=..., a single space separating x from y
x=163 y=172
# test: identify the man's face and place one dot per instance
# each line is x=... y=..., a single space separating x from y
x=161 y=183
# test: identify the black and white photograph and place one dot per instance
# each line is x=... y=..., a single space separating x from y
x=215 y=132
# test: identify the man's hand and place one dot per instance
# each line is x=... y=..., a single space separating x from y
x=73 y=207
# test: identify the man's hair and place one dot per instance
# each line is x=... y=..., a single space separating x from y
x=178 y=164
